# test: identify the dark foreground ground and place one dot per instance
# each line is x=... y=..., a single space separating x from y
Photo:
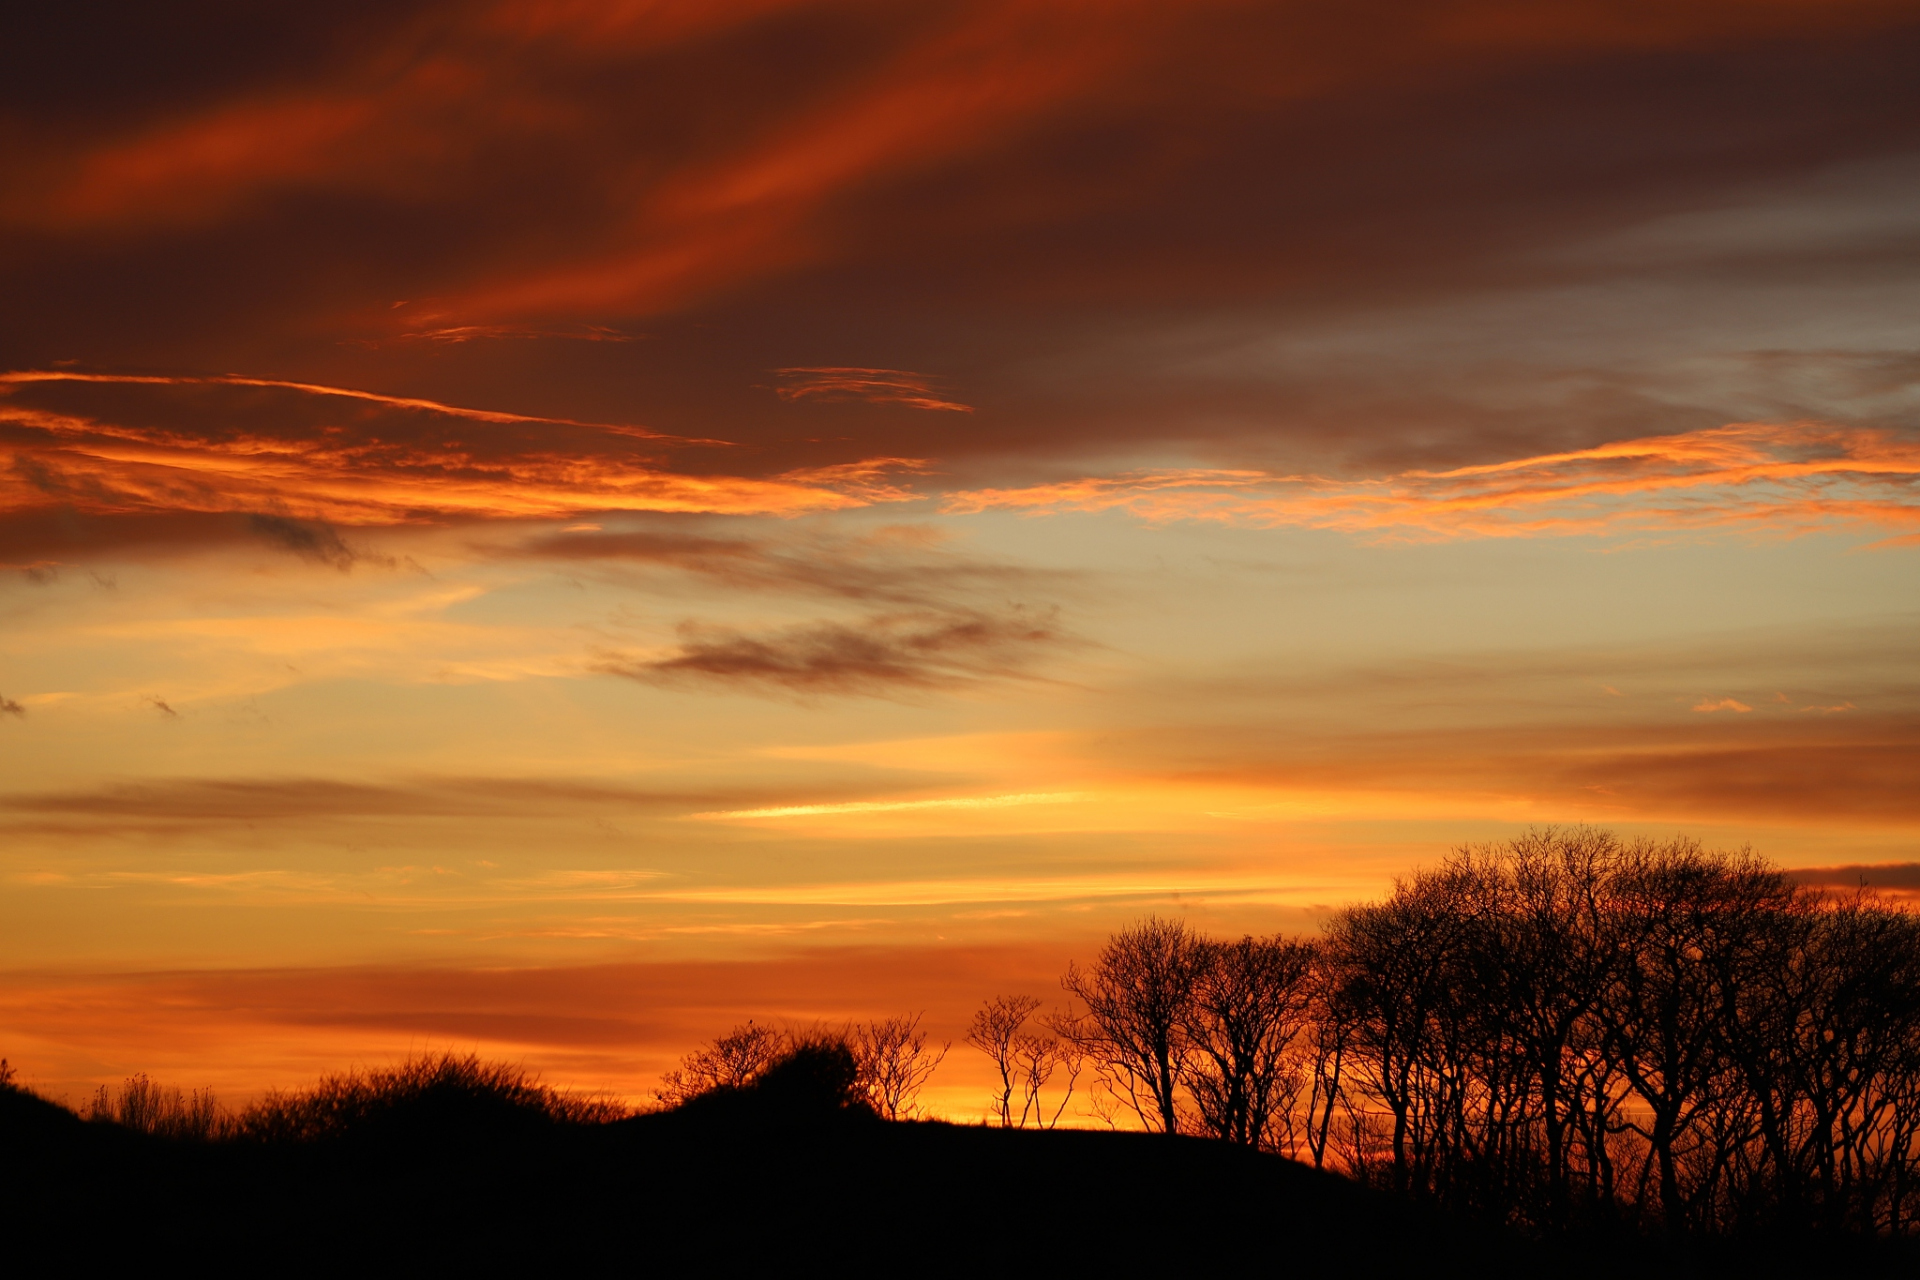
x=736 y=1188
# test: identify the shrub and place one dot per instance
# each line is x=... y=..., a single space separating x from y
x=446 y=1092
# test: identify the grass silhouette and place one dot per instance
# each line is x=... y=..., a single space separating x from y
x=145 y=1107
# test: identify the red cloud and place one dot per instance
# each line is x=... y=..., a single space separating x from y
x=1791 y=478
x=410 y=460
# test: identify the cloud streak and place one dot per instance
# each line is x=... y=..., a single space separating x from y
x=902 y=566
x=1894 y=879
x=27 y=377
x=875 y=386
x=1757 y=477
x=199 y=801
x=403 y=461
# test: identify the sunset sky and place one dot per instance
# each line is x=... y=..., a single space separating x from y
x=555 y=526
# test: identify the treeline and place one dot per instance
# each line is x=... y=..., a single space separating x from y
x=1563 y=1033
x=1566 y=1031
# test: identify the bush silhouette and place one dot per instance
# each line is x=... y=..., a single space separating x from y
x=444 y=1096
x=810 y=1079
x=814 y=1077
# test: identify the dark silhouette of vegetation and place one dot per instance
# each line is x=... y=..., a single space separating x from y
x=791 y=1171
x=895 y=1062
x=448 y=1093
x=1249 y=1005
x=146 y=1107
x=1563 y=1032
x=731 y=1061
x=891 y=1060
x=1025 y=1062
x=1139 y=1009
x=1565 y=1054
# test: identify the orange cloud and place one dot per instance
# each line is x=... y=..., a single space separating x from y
x=879 y=386
x=421 y=98
x=1774 y=477
x=27 y=376
x=959 y=89
x=361 y=474
x=1721 y=704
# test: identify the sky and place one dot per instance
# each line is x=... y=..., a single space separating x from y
x=552 y=527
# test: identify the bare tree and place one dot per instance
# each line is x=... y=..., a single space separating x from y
x=1137 y=996
x=1250 y=1003
x=732 y=1061
x=995 y=1027
x=1026 y=1062
x=1682 y=916
x=894 y=1063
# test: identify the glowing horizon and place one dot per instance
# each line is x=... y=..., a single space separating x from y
x=557 y=528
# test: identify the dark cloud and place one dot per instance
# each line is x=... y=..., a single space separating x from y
x=1615 y=759
x=308 y=540
x=1898 y=878
x=180 y=805
x=218 y=800
x=1858 y=781
x=899 y=565
x=64 y=533
x=885 y=655
x=162 y=706
x=993 y=192
x=8 y=707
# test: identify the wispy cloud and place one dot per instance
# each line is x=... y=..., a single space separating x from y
x=898 y=806
x=884 y=655
x=417 y=463
x=309 y=541
x=1756 y=476
x=24 y=377
x=253 y=800
x=903 y=565
x=450 y=335
x=876 y=386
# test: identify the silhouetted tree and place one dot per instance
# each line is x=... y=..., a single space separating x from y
x=994 y=1027
x=1249 y=1004
x=894 y=1063
x=1683 y=920
x=1137 y=996
x=1025 y=1062
x=1567 y=1025
x=733 y=1060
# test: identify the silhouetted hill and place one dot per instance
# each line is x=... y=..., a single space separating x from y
x=779 y=1178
